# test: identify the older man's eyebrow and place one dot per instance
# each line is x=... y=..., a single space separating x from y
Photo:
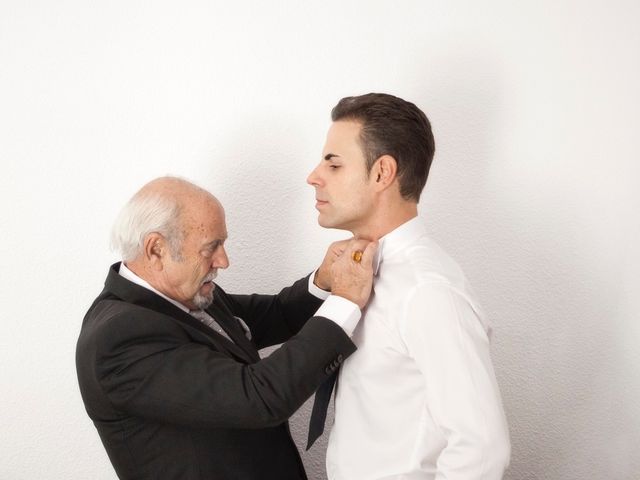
x=329 y=156
x=215 y=243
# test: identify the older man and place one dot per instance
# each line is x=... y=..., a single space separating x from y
x=167 y=361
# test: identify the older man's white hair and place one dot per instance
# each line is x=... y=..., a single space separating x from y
x=145 y=213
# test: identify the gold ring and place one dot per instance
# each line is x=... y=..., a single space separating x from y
x=357 y=256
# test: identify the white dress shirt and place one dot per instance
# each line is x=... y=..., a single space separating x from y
x=419 y=398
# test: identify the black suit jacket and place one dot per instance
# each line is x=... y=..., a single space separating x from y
x=172 y=399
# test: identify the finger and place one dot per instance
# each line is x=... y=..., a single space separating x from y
x=355 y=250
x=340 y=246
x=368 y=253
x=358 y=244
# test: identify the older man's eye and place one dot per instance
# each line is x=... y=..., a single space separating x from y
x=210 y=249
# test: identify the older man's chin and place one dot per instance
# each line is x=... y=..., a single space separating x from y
x=202 y=300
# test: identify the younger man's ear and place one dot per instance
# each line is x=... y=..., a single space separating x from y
x=385 y=171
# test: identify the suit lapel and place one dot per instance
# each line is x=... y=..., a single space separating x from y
x=138 y=295
x=230 y=324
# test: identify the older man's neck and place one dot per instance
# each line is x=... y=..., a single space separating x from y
x=142 y=270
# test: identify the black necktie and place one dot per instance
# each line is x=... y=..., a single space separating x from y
x=319 y=412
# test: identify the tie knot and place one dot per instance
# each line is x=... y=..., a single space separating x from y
x=199 y=314
x=208 y=320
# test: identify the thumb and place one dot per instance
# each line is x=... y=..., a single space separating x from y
x=368 y=254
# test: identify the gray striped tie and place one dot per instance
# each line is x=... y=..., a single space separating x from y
x=209 y=321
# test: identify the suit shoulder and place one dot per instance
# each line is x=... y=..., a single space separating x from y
x=115 y=319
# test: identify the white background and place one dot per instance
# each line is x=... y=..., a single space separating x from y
x=534 y=189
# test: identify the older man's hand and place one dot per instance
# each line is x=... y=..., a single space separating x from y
x=322 y=278
x=352 y=271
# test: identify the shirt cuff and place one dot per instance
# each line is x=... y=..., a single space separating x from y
x=315 y=290
x=341 y=311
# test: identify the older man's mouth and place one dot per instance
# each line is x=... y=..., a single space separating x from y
x=208 y=280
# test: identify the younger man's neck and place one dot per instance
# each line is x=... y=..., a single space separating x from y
x=386 y=221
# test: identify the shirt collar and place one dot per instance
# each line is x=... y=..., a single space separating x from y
x=397 y=239
x=132 y=277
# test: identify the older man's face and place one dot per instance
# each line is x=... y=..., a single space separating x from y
x=188 y=277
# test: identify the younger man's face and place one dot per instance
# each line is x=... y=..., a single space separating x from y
x=344 y=193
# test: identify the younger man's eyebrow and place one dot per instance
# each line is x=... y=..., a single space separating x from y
x=329 y=156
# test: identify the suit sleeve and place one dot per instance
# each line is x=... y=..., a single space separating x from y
x=148 y=367
x=273 y=319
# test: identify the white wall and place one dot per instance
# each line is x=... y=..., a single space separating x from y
x=534 y=187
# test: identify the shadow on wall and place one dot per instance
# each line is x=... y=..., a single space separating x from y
x=260 y=184
x=534 y=267
x=268 y=205
x=560 y=385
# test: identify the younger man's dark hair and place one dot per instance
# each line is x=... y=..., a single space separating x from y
x=392 y=126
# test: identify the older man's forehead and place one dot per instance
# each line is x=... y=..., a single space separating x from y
x=202 y=215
